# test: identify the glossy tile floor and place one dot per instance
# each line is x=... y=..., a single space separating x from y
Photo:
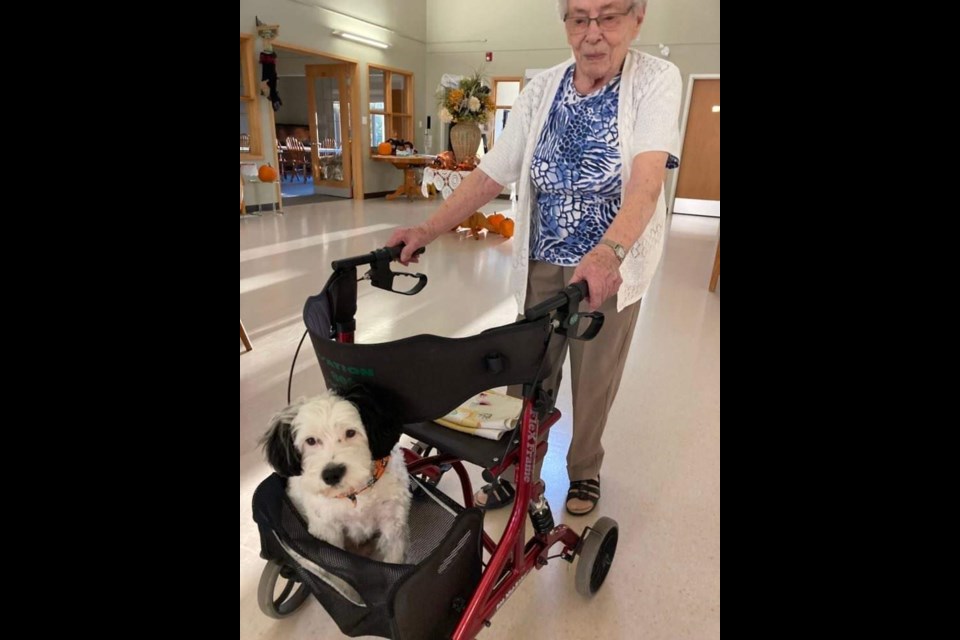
x=661 y=475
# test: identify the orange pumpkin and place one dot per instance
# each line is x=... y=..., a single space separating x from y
x=266 y=173
x=384 y=149
x=506 y=228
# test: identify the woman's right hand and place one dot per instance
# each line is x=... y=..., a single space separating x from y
x=412 y=238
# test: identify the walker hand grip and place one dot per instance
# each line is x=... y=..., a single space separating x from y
x=389 y=254
x=394 y=252
x=571 y=295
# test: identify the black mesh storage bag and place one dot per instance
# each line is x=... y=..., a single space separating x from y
x=367 y=597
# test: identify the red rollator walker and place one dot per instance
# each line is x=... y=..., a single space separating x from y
x=443 y=590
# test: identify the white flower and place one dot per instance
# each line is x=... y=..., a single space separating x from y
x=473 y=104
x=445 y=116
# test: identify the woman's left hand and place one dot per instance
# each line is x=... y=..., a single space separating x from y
x=601 y=270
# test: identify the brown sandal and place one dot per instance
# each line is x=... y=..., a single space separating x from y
x=584 y=491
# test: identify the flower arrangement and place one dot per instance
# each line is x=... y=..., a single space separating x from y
x=468 y=101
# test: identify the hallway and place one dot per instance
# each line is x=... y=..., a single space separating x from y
x=661 y=477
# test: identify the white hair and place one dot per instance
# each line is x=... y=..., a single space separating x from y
x=562 y=6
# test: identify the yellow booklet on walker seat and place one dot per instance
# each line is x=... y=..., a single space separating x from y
x=489 y=415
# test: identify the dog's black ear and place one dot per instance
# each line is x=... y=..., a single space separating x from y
x=383 y=430
x=282 y=453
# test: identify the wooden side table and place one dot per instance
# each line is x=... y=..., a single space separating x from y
x=409 y=165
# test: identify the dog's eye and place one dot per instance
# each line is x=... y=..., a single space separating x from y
x=312 y=442
x=351 y=433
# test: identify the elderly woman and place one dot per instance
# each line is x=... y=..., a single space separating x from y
x=588 y=143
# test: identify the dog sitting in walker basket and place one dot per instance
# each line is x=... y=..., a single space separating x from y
x=342 y=482
x=345 y=472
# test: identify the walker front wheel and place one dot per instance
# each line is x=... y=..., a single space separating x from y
x=282 y=604
x=598 y=546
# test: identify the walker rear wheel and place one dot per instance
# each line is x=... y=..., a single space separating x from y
x=282 y=604
x=597 y=549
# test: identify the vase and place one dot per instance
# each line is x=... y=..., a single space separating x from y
x=465 y=140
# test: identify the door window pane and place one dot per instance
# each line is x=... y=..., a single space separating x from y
x=501 y=122
x=326 y=91
x=507 y=92
x=244 y=129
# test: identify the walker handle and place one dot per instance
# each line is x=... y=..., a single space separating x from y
x=567 y=317
x=388 y=253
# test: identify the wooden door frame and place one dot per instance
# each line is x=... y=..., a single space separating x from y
x=691 y=79
x=356 y=161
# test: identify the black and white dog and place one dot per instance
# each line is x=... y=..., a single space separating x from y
x=346 y=473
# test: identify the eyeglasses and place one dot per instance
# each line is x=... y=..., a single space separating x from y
x=606 y=22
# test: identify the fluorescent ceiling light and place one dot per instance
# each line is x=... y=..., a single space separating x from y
x=362 y=39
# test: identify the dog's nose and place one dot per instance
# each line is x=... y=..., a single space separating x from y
x=333 y=473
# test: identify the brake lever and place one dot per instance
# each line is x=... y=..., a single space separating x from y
x=385 y=281
x=596 y=323
x=381 y=276
x=568 y=317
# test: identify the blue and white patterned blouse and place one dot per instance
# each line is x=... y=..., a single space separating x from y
x=576 y=172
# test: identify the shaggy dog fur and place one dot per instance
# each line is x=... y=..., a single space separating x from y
x=329 y=448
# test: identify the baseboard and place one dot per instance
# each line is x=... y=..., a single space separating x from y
x=257 y=208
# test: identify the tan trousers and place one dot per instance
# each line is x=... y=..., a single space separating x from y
x=596 y=367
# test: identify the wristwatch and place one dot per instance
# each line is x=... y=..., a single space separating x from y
x=617 y=249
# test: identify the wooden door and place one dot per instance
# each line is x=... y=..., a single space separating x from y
x=329 y=102
x=699 y=171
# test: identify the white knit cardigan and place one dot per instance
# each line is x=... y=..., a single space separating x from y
x=647 y=116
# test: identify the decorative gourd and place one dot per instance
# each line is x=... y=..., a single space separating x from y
x=266 y=173
x=496 y=223
x=384 y=149
x=444 y=160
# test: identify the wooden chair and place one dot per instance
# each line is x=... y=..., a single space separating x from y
x=296 y=158
x=281 y=162
x=716 y=269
